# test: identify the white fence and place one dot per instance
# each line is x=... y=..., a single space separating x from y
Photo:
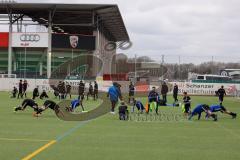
x=6 y=84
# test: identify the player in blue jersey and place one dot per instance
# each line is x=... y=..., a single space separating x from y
x=114 y=93
x=138 y=104
x=27 y=102
x=217 y=108
x=202 y=108
x=75 y=103
x=153 y=100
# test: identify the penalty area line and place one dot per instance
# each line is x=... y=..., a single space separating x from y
x=29 y=140
x=30 y=156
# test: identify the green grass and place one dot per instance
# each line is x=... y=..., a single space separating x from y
x=110 y=139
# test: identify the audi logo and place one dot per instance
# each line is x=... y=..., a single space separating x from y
x=30 y=37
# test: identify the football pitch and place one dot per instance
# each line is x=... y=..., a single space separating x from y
x=23 y=136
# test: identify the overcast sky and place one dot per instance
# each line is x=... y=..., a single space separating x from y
x=197 y=28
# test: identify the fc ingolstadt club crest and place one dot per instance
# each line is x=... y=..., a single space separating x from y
x=73 y=41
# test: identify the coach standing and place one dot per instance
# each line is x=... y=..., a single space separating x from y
x=164 y=92
x=114 y=93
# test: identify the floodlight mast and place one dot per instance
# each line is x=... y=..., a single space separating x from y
x=135 y=68
x=49 y=50
x=25 y=53
x=10 y=43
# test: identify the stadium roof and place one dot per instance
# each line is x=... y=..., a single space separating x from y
x=72 y=17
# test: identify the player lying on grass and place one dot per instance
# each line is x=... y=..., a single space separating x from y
x=27 y=102
x=138 y=104
x=48 y=104
x=153 y=99
x=217 y=108
x=202 y=108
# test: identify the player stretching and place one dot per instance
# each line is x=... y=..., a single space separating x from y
x=49 y=104
x=217 y=108
x=27 y=102
x=139 y=106
x=75 y=103
x=202 y=108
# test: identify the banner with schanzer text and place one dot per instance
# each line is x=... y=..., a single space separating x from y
x=206 y=88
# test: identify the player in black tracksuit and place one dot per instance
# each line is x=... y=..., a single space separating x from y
x=221 y=93
x=175 y=93
x=55 y=91
x=61 y=89
x=90 y=90
x=20 y=89
x=131 y=91
x=164 y=91
x=68 y=89
x=81 y=90
x=95 y=90
x=35 y=93
x=43 y=95
x=27 y=102
x=25 y=85
x=48 y=104
x=14 y=92
x=187 y=104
